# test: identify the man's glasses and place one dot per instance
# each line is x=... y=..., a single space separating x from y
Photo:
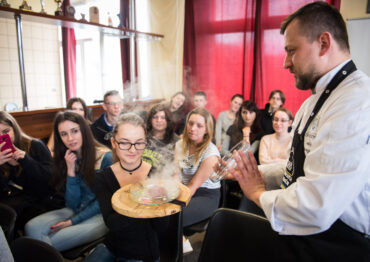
x=128 y=145
x=280 y=120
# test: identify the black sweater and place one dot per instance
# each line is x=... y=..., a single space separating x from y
x=100 y=130
x=33 y=172
x=266 y=120
x=130 y=238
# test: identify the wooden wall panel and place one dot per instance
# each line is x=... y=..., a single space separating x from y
x=39 y=123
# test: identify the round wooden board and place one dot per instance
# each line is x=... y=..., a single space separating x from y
x=124 y=205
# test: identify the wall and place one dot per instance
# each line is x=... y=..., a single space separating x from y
x=41 y=59
x=167 y=18
x=353 y=9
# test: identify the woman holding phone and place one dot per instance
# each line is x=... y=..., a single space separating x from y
x=76 y=157
x=24 y=173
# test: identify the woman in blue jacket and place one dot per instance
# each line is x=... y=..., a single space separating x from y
x=76 y=157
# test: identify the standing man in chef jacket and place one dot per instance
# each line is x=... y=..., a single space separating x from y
x=322 y=211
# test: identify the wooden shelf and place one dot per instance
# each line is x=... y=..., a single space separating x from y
x=31 y=16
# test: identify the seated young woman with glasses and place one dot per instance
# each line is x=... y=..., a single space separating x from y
x=276 y=147
x=129 y=239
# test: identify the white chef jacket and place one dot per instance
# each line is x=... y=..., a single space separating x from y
x=337 y=165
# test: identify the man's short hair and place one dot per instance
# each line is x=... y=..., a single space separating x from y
x=110 y=93
x=201 y=93
x=316 y=18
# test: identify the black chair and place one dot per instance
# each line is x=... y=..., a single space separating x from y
x=202 y=225
x=170 y=240
x=25 y=249
x=8 y=217
x=81 y=250
x=234 y=235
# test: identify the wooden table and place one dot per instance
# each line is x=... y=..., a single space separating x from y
x=123 y=204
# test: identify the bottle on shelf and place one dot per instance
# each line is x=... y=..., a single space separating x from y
x=110 y=23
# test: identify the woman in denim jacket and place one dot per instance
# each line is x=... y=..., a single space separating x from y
x=76 y=157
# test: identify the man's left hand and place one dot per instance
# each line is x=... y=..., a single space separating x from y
x=250 y=179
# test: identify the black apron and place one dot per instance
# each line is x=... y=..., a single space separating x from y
x=340 y=242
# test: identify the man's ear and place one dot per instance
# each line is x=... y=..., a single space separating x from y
x=104 y=106
x=325 y=41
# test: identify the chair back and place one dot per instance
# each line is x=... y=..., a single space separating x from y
x=234 y=235
x=26 y=249
x=7 y=221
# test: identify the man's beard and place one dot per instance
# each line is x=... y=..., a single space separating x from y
x=307 y=81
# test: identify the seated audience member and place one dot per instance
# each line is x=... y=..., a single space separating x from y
x=24 y=174
x=102 y=126
x=276 y=100
x=161 y=138
x=200 y=101
x=128 y=239
x=176 y=108
x=196 y=155
x=246 y=127
x=77 y=105
x=276 y=147
x=226 y=118
x=76 y=156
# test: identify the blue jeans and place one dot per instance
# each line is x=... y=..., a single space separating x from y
x=68 y=237
x=102 y=254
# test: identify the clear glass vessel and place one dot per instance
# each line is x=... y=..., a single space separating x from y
x=228 y=161
x=154 y=191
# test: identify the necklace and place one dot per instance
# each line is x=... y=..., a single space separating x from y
x=130 y=171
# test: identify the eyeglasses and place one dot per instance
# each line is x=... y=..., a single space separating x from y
x=280 y=120
x=128 y=145
x=113 y=103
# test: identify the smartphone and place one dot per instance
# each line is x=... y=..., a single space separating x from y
x=8 y=142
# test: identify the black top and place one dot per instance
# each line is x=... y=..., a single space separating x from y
x=33 y=173
x=178 y=119
x=236 y=135
x=266 y=120
x=101 y=131
x=130 y=238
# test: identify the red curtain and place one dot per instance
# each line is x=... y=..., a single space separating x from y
x=125 y=43
x=235 y=47
x=69 y=58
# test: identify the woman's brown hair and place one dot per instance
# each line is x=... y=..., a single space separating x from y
x=207 y=137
